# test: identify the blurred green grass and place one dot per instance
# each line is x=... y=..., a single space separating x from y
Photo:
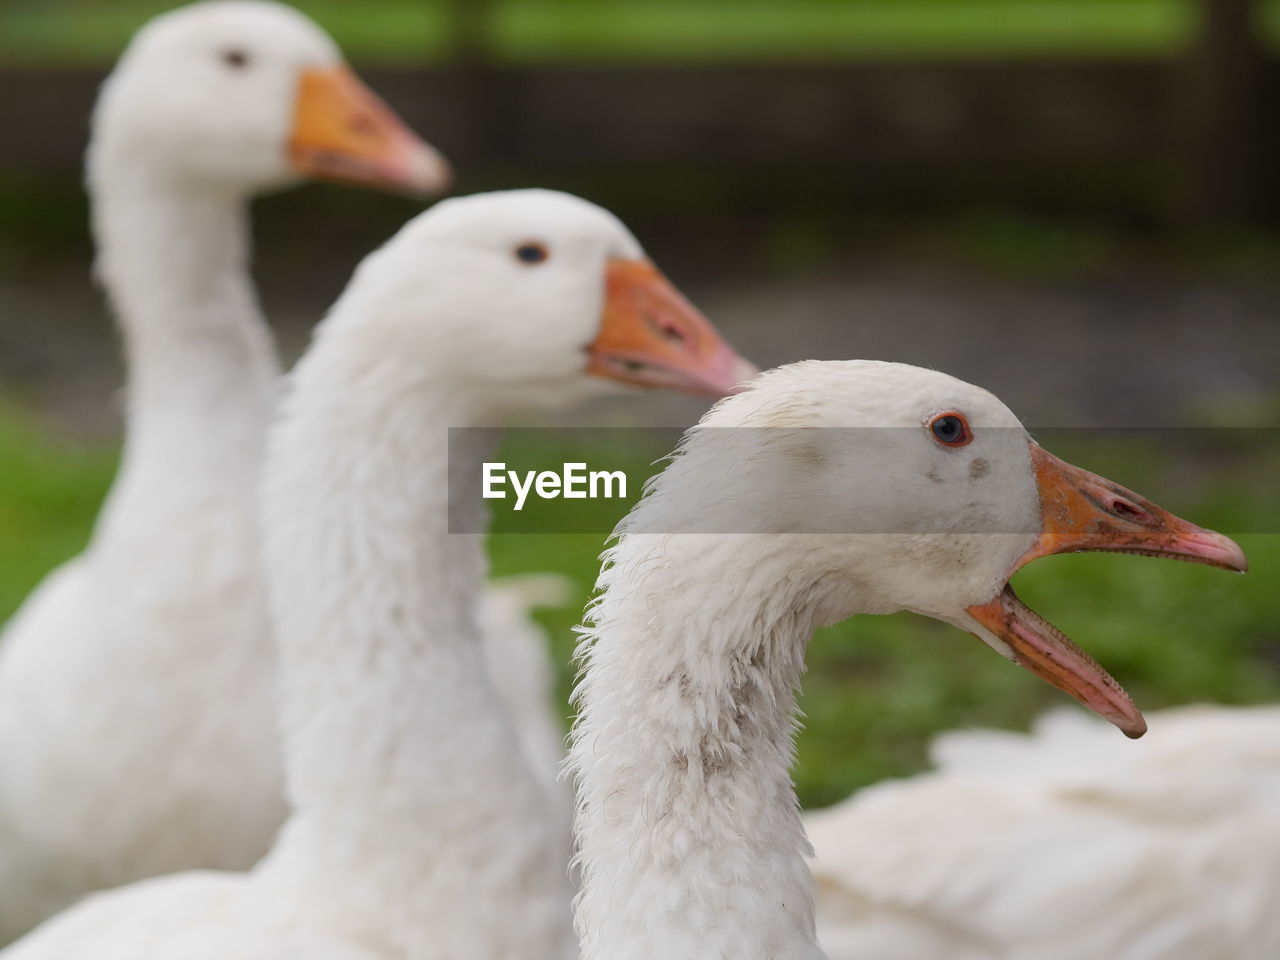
x=78 y=31
x=878 y=688
x=50 y=491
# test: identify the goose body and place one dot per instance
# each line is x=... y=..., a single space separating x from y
x=418 y=828
x=1061 y=843
x=121 y=754
x=824 y=490
x=519 y=662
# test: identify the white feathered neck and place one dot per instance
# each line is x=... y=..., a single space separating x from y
x=682 y=756
x=174 y=259
x=415 y=814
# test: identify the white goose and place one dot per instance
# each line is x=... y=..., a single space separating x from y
x=136 y=721
x=691 y=844
x=399 y=844
x=1062 y=844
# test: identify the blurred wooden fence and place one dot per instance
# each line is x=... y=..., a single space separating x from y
x=1192 y=139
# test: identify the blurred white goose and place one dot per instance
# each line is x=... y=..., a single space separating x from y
x=1062 y=844
x=691 y=844
x=137 y=728
x=418 y=830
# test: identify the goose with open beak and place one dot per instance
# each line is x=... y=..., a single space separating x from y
x=1083 y=512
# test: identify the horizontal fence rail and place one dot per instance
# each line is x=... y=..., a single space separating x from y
x=1126 y=136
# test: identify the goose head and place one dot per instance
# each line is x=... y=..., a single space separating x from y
x=252 y=95
x=897 y=488
x=533 y=298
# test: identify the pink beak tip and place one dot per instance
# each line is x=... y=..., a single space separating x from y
x=427 y=171
x=743 y=371
x=1133 y=728
x=1221 y=549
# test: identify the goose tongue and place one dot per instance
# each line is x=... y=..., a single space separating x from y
x=1081 y=511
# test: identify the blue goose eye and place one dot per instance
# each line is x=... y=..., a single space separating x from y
x=531 y=253
x=951 y=429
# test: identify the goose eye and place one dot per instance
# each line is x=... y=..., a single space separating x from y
x=236 y=59
x=531 y=253
x=951 y=429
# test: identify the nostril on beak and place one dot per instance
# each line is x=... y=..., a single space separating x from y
x=1128 y=511
x=674 y=334
x=362 y=124
x=666 y=329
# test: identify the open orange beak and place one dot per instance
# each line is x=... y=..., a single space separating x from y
x=1081 y=511
x=652 y=336
x=342 y=131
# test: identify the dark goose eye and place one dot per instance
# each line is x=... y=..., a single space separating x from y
x=235 y=58
x=951 y=429
x=531 y=253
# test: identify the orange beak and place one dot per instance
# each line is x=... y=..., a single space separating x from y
x=1081 y=511
x=342 y=131
x=652 y=336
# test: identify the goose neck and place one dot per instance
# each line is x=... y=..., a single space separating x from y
x=202 y=373
x=403 y=771
x=689 y=836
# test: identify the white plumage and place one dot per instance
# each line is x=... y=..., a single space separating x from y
x=137 y=731
x=418 y=829
x=1063 y=843
x=518 y=659
x=763 y=527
